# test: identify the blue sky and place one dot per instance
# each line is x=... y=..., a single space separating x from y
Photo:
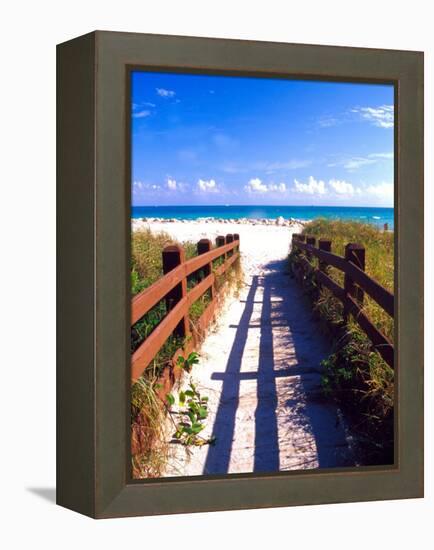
x=199 y=139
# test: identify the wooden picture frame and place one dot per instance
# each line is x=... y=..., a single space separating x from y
x=93 y=368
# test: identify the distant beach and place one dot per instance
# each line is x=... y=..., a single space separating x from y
x=265 y=214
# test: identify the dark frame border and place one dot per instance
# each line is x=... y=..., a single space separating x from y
x=93 y=248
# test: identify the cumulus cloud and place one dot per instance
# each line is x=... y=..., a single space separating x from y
x=281 y=187
x=342 y=190
x=208 y=186
x=383 y=191
x=312 y=187
x=162 y=92
x=382 y=116
x=343 y=187
x=255 y=185
x=172 y=184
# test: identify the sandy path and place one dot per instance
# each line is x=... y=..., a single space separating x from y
x=260 y=367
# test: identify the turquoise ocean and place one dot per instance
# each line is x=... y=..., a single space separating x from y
x=375 y=216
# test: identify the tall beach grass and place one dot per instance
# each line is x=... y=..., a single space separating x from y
x=355 y=375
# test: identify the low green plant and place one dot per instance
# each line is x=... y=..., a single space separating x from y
x=192 y=412
x=187 y=363
x=192 y=408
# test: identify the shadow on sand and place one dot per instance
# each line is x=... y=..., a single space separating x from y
x=290 y=405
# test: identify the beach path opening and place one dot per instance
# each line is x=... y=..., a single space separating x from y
x=260 y=367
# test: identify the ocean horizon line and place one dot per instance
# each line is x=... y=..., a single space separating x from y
x=365 y=214
x=337 y=206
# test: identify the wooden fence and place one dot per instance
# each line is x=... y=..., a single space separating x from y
x=356 y=283
x=172 y=288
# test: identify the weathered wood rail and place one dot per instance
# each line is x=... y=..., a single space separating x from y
x=172 y=288
x=356 y=283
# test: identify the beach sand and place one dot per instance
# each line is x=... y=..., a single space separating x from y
x=260 y=243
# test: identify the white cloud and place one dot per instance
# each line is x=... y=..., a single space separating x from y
x=357 y=162
x=326 y=121
x=141 y=114
x=208 y=186
x=382 y=155
x=383 y=191
x=343 y=187
x=354 y=163
x=312 y=187
x=142 y=186
x=269 y=167
x=165 y=93
x=172 y=184
x=382 y=116
x=334 y=189
x=281 y=187
x=255 y=185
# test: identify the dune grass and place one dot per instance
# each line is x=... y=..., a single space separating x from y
x=379 y=258
x=355 y=374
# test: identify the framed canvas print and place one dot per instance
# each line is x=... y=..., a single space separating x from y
x=240 y=229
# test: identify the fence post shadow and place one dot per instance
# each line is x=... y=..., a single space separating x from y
x=218 y=456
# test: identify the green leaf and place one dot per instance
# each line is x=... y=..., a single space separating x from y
x=196 y=428
x=189 y=393
x=181 y=398
x=193 y=358
x=203 y=413
x=170 y=399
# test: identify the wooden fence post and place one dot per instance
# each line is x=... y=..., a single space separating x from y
x=326 y=245
x=173 y=256
x=220 y=241
x=354 y=253
x=311 y=241
x=237 y=238
x=203 y=246
x=229 y=239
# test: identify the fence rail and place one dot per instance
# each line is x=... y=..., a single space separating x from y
x=172 y=288
x=356 y=283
